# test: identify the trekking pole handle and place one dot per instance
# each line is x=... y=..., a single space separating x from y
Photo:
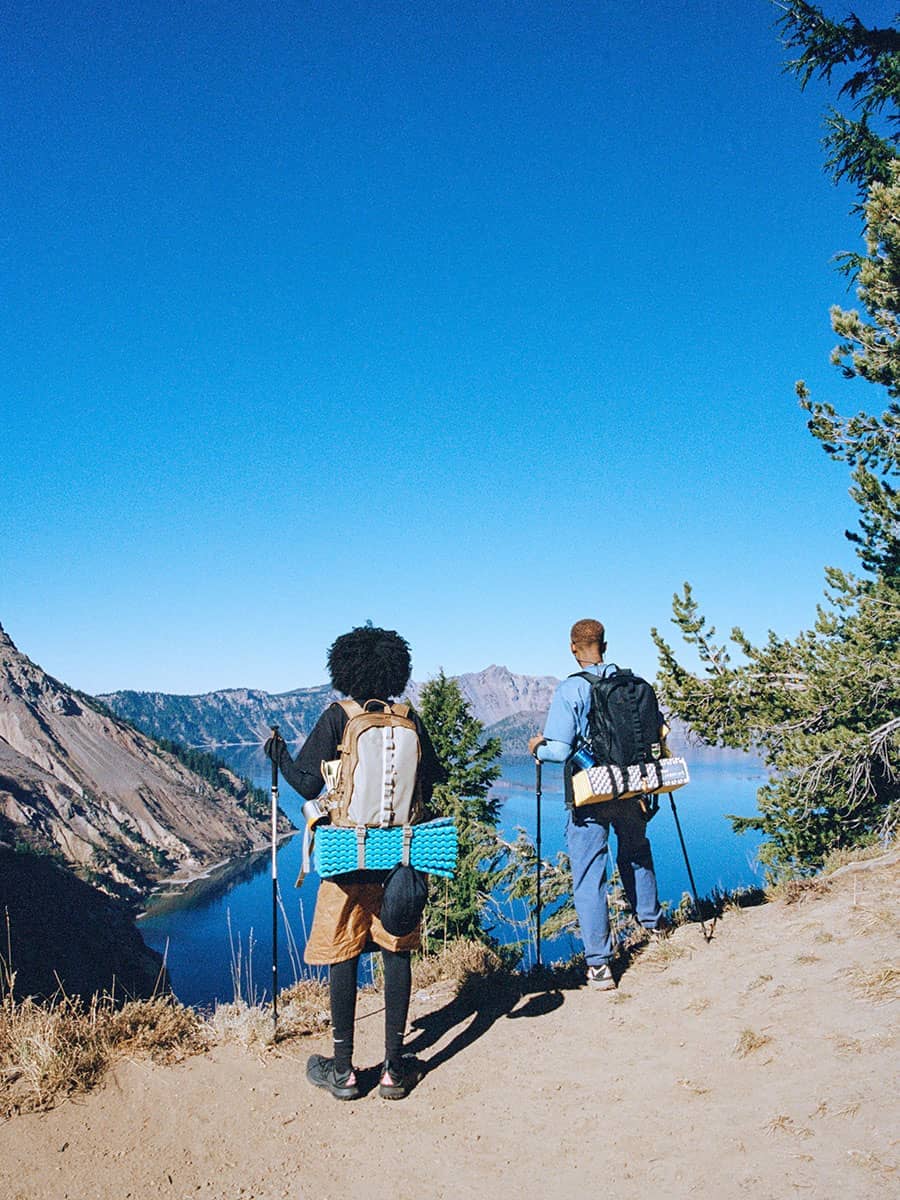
x=276 y=738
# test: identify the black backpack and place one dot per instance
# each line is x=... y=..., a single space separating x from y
x=624 y=718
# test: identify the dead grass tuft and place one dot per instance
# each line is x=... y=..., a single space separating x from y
x=835 y=859
x=463 y=963
x=874 y=920
x=749 y=1041
x=846 y=1045
x=696 y=1089
x=63 y=1047
x=247 y=1025
x=785 y=1124
x=848 y=1110
x=304 y=1008
x=160 y=1027
x=878 y=984
x=794 y=891
x=661 y=953
x=871 y=1162
x=759 y=981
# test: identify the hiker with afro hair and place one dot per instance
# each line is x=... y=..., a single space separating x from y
x=365 y=664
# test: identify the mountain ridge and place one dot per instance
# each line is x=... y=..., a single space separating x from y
x=511 y=706
x=244 y=716
x=80 y=782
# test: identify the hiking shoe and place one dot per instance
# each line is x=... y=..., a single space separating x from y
x=662 y=930
x=601 y=978
x=320 y=1071
x=398 y=1079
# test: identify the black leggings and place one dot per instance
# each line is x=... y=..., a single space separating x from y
x=397 y=987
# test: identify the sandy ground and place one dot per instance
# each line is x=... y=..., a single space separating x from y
x=639 y=1093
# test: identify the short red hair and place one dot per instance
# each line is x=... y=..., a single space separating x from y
x=588 y=632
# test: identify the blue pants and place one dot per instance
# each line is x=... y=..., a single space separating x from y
x=587 y=837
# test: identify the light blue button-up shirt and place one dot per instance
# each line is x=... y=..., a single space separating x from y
x=567 y=721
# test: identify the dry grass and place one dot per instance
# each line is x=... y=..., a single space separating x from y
x=749 y=1041
x=59 y=1048
x=874 y=920
x=878 y=984
x=846 y=1045
x=161 y=1028
x=303 y=1009
x=462 y=963
x=661 y=953
x=785 y=1124
x=759 y=981
x=696 y=1089
x=871 y=1162
x=63 y=1047
x=848 y=1110
x=794 y=891
x=835 y=859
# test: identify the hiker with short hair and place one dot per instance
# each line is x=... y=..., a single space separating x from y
x=366 y=664
x=587 y=827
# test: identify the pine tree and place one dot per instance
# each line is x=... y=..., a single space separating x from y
x=859 y=150
x=457 y=906
x=824 y=708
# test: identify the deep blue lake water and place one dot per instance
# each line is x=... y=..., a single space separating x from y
x=202 y=930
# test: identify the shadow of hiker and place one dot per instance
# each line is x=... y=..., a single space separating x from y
x=482 y=1001
x=539 y=1005
x=475 y=1008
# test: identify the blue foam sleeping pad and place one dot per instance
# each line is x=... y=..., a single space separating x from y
x=434 y=848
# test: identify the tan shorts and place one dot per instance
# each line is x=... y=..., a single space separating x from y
x=346 y=921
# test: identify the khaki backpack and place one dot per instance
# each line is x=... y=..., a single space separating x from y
x=375 y=781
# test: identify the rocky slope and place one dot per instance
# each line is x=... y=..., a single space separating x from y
x=59 y=932
x=77 y=780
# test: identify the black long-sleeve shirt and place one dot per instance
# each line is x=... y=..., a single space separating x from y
x=304 y=773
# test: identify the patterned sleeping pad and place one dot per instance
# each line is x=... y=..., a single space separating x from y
x=434 y=848
x=607 y=782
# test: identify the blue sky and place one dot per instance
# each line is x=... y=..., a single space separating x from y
x=467 y=319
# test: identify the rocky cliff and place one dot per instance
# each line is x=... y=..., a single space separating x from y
x=80 y=782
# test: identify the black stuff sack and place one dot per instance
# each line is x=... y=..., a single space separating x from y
x=403 y=902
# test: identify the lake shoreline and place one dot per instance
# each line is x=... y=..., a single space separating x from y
x=192 y=885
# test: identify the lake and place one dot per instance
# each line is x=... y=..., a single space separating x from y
x=224 y=922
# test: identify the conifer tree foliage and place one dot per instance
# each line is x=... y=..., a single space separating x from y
x=824 y=708
x=858 y=148
x=457 y=906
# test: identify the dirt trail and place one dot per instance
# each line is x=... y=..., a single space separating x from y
x=764 y=1064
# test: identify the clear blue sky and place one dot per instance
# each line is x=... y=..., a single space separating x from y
x=469 y=319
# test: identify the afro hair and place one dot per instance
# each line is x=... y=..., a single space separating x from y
x=369 y=663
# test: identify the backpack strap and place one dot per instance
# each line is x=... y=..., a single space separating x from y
x=400 y=710
x=351 y=708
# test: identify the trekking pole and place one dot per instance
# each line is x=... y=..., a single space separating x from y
x=537 y=793
x=276 y=738
x=687 y=863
